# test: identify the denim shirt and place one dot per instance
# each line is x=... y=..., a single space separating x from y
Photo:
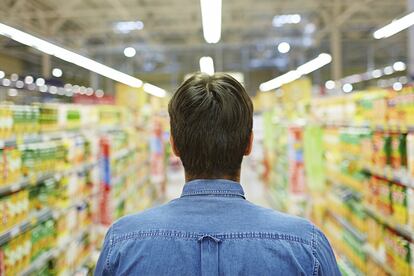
x=213 y=230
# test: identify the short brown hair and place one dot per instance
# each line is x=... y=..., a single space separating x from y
x=211 y=121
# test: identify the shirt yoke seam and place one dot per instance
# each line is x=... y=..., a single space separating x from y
x=196 y=236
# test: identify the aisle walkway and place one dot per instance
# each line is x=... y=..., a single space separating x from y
x=252 y=185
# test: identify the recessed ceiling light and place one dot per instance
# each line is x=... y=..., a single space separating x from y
x=129 y=52
x=347 y=88
x=283 y=47
x=56 y=72
x=330 y=84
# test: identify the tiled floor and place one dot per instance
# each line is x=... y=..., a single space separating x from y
x=252 y=185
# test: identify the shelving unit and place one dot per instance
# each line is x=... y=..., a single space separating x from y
x=70 y=190
x=367 y=165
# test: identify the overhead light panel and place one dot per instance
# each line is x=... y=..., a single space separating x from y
x=211 y=20
x=154 y=90
x=307 y=68
x=395 y=26
x=69 y=56
x=207 y=65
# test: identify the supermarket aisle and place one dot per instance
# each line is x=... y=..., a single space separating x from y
x=252 y=185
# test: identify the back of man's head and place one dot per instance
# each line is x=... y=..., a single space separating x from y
x=211 y=121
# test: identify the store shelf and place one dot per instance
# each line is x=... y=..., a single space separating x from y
x=393 y=128
x=45 y=136
x=132 y=168
x=390 y=174
x=348 y=181
x=78 y=203
x=370 y=251
x=122 y=153
x=347 y=268
x=402 y=230
x=32 y=181
x=349 y=227
x=51 y=254
x=125 y=195
x=9 y=189
x=28 y=223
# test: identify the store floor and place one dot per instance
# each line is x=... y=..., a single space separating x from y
x=250 y=180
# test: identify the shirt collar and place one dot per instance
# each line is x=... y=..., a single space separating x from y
x=219 y=187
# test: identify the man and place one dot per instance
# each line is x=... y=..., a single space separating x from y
x=212 y=229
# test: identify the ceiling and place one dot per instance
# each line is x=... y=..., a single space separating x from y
x=171 y=42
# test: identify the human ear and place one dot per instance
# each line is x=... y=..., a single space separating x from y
x=249 y=145
x=174 y=148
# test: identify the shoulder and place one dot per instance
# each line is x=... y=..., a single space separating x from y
x=141 y=221
x=272 y=220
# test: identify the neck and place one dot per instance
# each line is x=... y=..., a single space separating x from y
x=235 y=178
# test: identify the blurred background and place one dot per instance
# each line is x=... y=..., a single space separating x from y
x=84 y=87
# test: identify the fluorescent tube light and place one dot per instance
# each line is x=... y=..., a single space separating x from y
x=154 y=90
x=211 y=20
x=207 y=65
x=69 y=56
x=281 y=80
x=315 y=64
x=395 y=26
x=310 y=66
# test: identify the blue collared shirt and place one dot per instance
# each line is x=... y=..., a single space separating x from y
x=213 y=230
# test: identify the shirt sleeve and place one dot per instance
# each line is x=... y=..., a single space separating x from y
x=102 y=267
x=325 y=255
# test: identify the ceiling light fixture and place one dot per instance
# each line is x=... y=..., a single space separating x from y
x=395 y=26
x=347 y=88
x=128 y=26
x=211 y=20
x=207 y=65
x=330 y=84
x=154 y=90
x=57 y=73
x=280 y=20
x=129 y=52
x=40 y=82
x=399 y=66
x=397 y=86
x=309 y=67
x=283 y=47
x=28 y=79
x=69 y=56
